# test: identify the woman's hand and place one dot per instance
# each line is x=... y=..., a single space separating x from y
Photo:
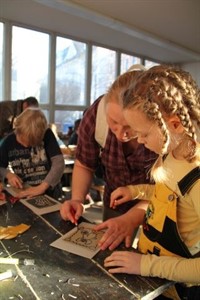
x=119 y=196
x=122 y=228
x=118 y=230
x=123 y=262
x=71 y=210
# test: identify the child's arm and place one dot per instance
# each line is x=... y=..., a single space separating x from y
x=169 y=267
x=173 y=268
x=131 y=192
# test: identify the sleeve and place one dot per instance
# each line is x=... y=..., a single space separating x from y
x=4 y=159
x=56 y=171
x=194 y=195
x=179 y=269
x=56 y=159
x=88 y=149
x=51 y=145
x=141 y=191
x=3 y=173
x=4 y=154
x=176 y=268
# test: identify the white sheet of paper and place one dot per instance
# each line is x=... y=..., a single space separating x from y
x=81 y=240
x=42 y=204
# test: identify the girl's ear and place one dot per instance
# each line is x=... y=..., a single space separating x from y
x=175 y=125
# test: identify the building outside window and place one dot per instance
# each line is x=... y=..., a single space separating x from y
x=103 y=71
x=30 y=64
x=1 y=61
x=70 y=80
x=65 y=75
x=127 y=61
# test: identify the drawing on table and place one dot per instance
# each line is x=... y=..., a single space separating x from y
x=42 y=204
x=85 y=237
x=82 y=240
x=41 y=201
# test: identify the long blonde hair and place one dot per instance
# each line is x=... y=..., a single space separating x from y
x=166 y=90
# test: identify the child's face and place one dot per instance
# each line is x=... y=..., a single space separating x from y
x=23 y=140
x=117 y=123
x=147 y=132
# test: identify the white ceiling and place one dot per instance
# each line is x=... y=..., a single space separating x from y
x=175 y=23
x=161 y=30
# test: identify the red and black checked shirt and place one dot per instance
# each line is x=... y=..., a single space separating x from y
x=119 y=170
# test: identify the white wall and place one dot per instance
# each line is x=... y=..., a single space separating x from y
x=194 y=69
x=83 y=24
x=33 y=13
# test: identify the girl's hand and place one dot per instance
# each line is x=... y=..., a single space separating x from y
x=14 y=180
x=123 y=262
x=119 y=196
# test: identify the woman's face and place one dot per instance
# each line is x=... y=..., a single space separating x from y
x=147 y=132
x=117 y=122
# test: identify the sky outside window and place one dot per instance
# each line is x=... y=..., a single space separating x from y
x=30 y=57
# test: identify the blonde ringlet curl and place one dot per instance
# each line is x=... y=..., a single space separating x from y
x=164 y=91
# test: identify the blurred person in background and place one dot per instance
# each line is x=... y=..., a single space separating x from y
x=10 y=109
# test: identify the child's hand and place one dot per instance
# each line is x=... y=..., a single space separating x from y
x=119 y=196
x=14 y=180
x=123 y=262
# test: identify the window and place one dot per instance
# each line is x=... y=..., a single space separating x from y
x=127 y=61
x=70 y=72
x=65 y=119
x=148 y=63
x=30 y=57
x=1 y=61
x=103 y=70
x=64 y=74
